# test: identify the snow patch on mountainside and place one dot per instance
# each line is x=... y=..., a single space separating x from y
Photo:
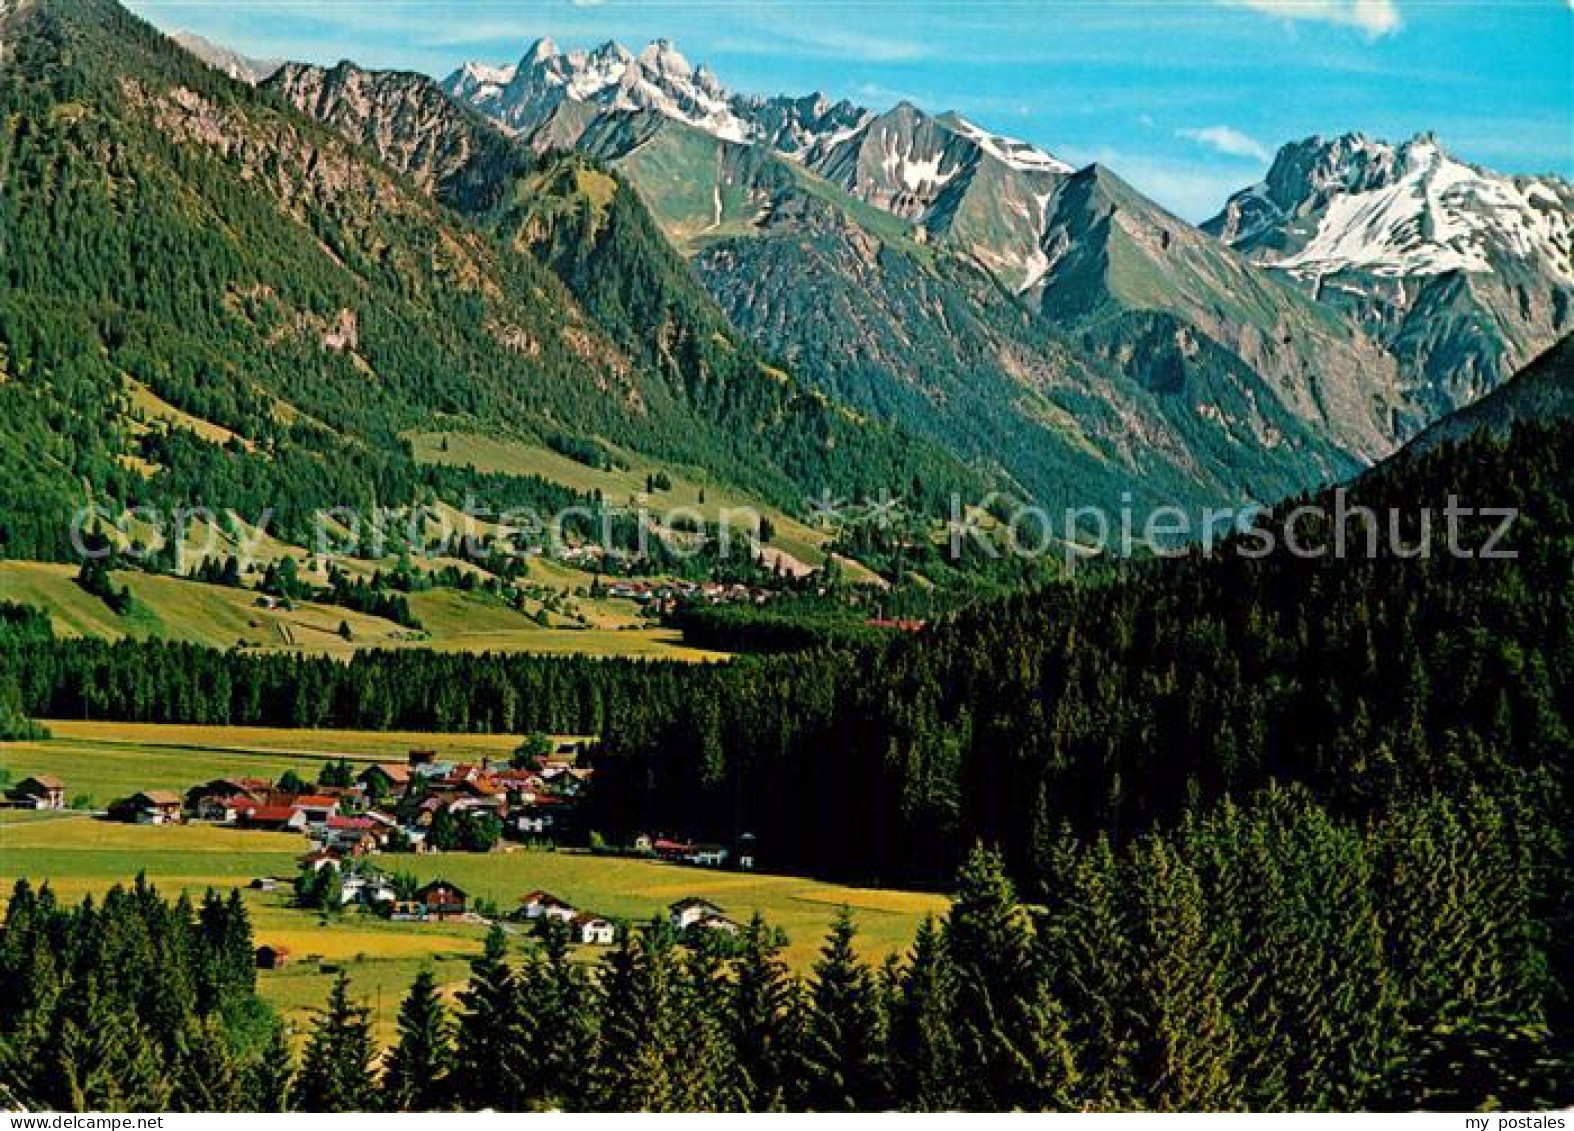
x=919 y=174
x=1018 y=154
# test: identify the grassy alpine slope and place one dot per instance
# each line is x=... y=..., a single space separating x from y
x=251 y=270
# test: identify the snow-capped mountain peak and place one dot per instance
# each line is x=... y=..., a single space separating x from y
x=660 y=79
x=611 y=77
x=1352 y=203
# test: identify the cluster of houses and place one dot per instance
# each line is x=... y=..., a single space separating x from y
x=666 y=596
x=700 y=855
x=590 y=929
x=386 y=802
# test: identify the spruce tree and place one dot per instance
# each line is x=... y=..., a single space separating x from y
x=640 y=1062
x=269 y=1078
x=1010 y=1031
x=336 y=1071
x=208 y=1077
x=760 y=1024
x=925 y=1061
x=1085 y=960
x=843 y=1058
x=490 y=1055
x=417 y=1074
x=560 y=1002
x=1185 y=1054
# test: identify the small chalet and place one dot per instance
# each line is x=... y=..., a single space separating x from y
x=318 y=807
x=718 y=923
x=593 y=930
x=150 y=807
x=545 y=905
x=44 y=791
x=386 y=779
x=541 y=816
x=687 y=912
x=256 y=789
x=368 y=890
x=319 y=860
x=352 y=832
x=272 y=957
x=441 y=899
x=225 y=810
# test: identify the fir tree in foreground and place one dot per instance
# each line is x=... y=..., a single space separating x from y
x=337 y=1069
x=417 y=1075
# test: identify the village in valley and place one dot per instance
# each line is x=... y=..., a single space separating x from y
x=356 y=822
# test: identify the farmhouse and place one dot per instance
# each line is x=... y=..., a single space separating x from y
x=718 y=923
x=687 y=912
x=385 y=779
x=440 y=899
x=256 y=789
x=707 y=856
x=318 y=860
x=541 y=816
x=593 y=930
x=370 y=890
x=149 y=807
x=352 y=834
x=545 y=905
x=44 y=791
x=317 y=807
x=226 y=810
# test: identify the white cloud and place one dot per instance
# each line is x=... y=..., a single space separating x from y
x=1376 y=18
x=1231 y=142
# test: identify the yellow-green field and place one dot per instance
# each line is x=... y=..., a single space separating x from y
x=803 y=545
x=219 y=617
x=109 y=760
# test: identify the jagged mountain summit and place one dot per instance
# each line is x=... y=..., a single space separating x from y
x=659 y=78
x=1465 y=273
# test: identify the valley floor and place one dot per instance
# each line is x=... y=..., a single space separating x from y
x=80 y=854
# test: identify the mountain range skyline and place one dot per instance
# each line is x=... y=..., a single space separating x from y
x=1189 y=116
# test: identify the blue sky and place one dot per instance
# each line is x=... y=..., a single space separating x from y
x=1186 y=99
